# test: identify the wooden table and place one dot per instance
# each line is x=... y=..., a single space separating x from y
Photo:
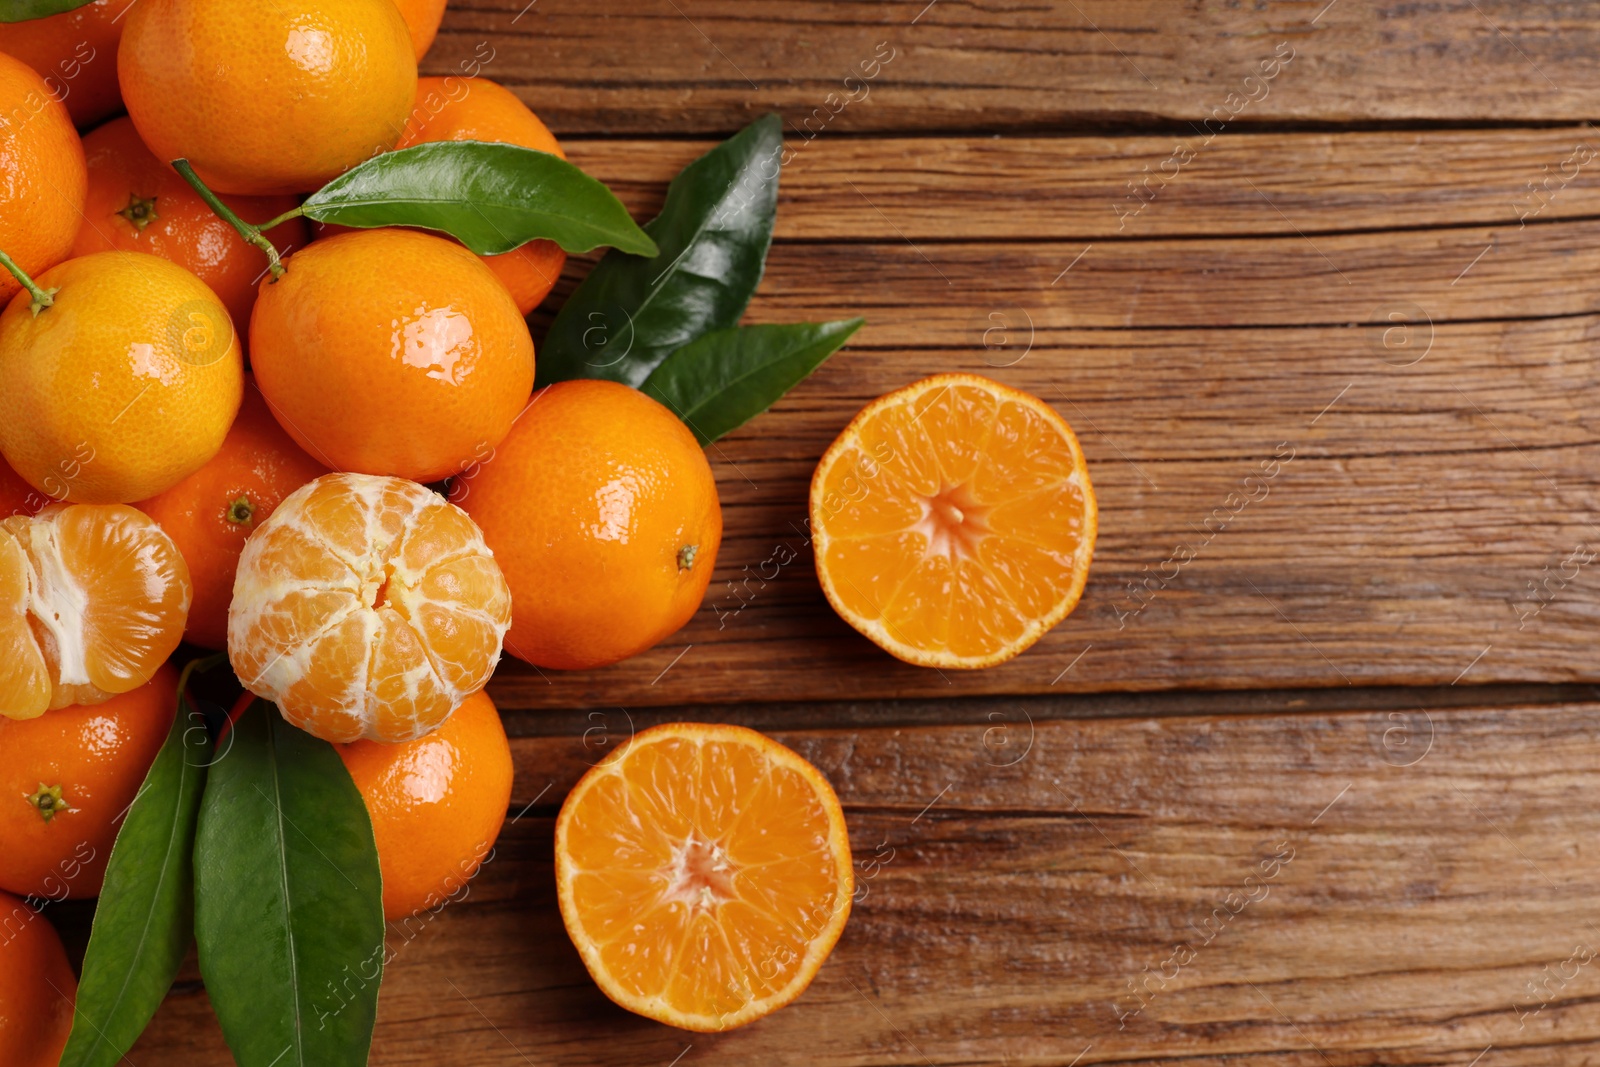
x=1310 y=776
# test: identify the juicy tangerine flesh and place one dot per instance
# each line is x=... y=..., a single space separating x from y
x=93 y=599
x=954 y=521
x=704 y=874
x=366 y=607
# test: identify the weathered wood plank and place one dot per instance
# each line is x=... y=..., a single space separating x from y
x=990 y=189
x=1427 y=474
x=1420 y=872
x=1429 y=373
x=689 y=66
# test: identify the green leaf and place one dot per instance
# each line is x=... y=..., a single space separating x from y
x=145 y=918
x=23 y=10
x=630 y=314
x=490 y=197
x=721 y=381
x=288 y=900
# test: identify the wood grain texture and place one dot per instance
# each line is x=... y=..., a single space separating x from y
x=1370 y=273
x=694 y=66
x=1018 y=877
x=1428 y=373
x=1021 y=188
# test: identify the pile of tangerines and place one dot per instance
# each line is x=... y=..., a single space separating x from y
x=336 y=469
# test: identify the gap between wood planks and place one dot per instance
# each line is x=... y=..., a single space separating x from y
x=982 y=711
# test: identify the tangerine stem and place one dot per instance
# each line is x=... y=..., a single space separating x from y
x=42 y=298
x=250 y=233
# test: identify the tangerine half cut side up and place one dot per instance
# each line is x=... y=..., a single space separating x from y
x=366 y=607
x=93 y=599
x=704 y=874
x=954 y=521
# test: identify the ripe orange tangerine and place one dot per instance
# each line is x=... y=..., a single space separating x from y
x=954 y=521
x=389 y=351
x=211 y=513
x=602 y=510
x=704 y=874
x=267 y=98
x=41 y=158
x=367 y=607
x=138 y=203
x=123 y=386
x=17 y=497
x=437 y=804
x=93 y=600
x=422 y=19
x=455 y=109
x=75 y=52
x=37 y=988
x=66 y=781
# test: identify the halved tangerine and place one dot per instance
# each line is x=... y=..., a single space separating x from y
x=367 y=607
x=93 y=599
x=953 y=521
x=704 y=874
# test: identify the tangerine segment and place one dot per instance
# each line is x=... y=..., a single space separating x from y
x=704 y=874
x=954 y=521
x=93 y=599
x=367 y=607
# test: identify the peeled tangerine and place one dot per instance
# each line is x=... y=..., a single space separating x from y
x=367 y=607
x=93 y=599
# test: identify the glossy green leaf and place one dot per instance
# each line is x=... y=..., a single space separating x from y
x=23 y=10
x=490 y=197
x=288 y=900
x=630 y=314
x=721 y=381
x=145 y=918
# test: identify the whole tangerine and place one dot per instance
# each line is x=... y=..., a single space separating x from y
x=422 y=20
x=392 y=352
x=603 y=513
x=17 y=497
x=137 y=203
x=210 y=514
x=37 y=988
x=477 y=109
x=75 y=52
x=437 y=804
x=123 y=386
x=267 y=98
x=66 y=782
x=41 y=198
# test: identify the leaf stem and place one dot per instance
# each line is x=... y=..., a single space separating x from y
x=293 y=213
x=246 y=700
x=250 y=233
x=42 y=298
